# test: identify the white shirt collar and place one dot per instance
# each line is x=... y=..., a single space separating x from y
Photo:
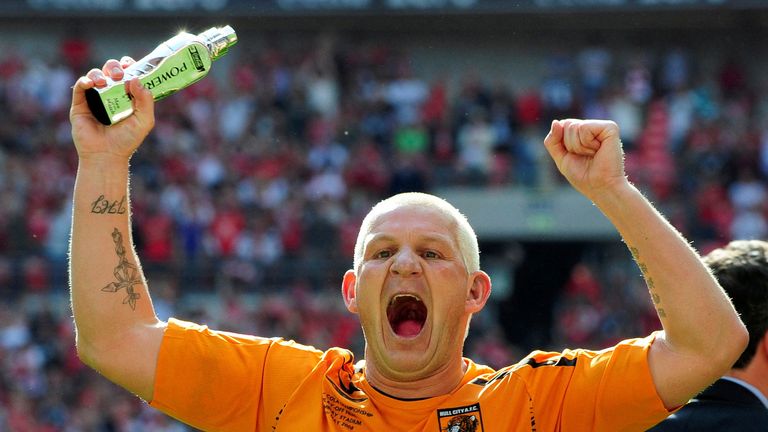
x=749 y=387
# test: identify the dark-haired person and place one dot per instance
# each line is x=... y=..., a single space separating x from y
x=739 y=400
x=415 y=284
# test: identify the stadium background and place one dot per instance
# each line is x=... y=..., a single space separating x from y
x=248 y=194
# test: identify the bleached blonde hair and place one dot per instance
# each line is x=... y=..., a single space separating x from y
x=462 y=231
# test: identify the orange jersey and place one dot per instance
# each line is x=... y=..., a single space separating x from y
x=219 y=381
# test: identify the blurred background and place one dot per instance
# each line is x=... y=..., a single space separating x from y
x=247 y=196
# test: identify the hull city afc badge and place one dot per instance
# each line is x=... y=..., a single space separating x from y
x=460 y=419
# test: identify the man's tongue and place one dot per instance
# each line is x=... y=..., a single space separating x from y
x=408 y=328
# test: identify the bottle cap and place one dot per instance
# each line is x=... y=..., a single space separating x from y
x=218 y=40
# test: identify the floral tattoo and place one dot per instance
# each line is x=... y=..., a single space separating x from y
x=127 y=274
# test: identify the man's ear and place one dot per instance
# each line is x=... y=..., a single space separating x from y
x=479 y=291
x=348 y=290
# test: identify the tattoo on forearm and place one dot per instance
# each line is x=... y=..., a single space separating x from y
x=649 y=281
x=104 y=206
x=127 y=274
x=656 y=299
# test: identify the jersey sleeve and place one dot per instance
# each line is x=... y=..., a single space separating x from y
x=215 y=380
x=608 y=390
x=621 y=386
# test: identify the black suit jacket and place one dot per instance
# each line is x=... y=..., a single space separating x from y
x=723 y=407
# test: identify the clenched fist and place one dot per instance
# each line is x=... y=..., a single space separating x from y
x=96 y=141
x=588 y=153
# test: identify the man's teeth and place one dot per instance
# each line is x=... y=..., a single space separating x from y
x=399 y=296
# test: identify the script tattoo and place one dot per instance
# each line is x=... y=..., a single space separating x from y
x=104 y=206
x=127 y=274
x=651 y=285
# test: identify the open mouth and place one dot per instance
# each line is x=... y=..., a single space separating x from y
x=406 y=314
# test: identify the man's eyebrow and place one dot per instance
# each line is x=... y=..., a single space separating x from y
x=436 y=238
x=379 y=237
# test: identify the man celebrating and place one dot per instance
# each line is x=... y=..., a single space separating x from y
x=415 y=284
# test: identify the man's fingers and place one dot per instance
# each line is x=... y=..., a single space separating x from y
x=84 y=83
x=588 y=137
x=143 y=102
x=79 y=105
x=126 y=61
x=570 y=135
x=553 y=142
x=97 y=76
x=113 y=69
x=574 y=135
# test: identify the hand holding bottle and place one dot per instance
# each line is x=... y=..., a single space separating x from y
x=95 y=140
x=173 y=65
x=103 y=98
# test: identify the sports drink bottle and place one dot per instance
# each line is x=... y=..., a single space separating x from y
x=175 y=64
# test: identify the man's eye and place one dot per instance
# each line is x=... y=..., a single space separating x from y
x=431 y=254
x=383 y=254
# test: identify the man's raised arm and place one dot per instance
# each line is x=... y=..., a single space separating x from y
x=703 y=335
x=118 y=333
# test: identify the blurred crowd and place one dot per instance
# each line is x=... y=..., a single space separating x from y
x=247 y=196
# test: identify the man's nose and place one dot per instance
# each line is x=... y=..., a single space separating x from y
x=406 y=263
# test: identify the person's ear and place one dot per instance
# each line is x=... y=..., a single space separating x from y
x=479 y=291
x=348 y=290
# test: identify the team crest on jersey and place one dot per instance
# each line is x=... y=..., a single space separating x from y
x=460 y=419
